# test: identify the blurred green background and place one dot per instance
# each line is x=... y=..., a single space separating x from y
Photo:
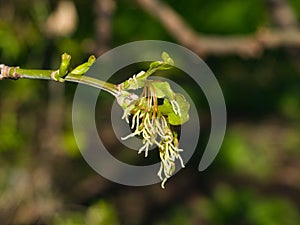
x=255 y=179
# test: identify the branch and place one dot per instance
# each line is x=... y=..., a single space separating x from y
x=152 y=121
x=245 y=46
x=282 y=14
x=7 y=72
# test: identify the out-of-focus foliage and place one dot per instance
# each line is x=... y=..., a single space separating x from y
x=221 y=16
x=100 y=213
x=255 y=179
x=235 y=206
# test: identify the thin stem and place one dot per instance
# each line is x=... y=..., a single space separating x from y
x=106 y=86
x=16 y=73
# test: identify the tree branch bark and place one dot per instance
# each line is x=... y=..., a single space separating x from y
x=282 y=14
x=204 y=45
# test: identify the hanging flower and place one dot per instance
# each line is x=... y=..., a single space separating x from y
x=153 y=125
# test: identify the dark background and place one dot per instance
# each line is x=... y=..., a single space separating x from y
x=253 y=48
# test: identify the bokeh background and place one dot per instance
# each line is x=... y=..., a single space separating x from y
x=253 y=47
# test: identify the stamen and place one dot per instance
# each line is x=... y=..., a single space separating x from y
x=137 y=123
x=181 y=161
x=176 y=107
x=160 y=171
x=163 y=183
x=158 y=144
x=147 y=123
x=146 y=135
x=144 y=148
x=159 y=129
x=129 y=136
x=135 y=118
x=125 y=116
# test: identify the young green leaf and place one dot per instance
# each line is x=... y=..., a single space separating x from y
x=64 y=65
x=166 y=109
x=83 y=68
x=167 y=59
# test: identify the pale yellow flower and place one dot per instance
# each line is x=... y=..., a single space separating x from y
x=149 y=123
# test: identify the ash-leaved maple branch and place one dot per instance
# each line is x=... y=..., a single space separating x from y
x=155 y=115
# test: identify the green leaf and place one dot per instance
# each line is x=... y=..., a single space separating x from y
x=166 y=109
x=83 y=68
x=64 y=65
x=163 y=89
x=167 y=59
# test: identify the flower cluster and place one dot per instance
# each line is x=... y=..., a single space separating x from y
x=147 y=121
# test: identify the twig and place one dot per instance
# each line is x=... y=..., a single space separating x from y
x=245 y=46
x=7 y=72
